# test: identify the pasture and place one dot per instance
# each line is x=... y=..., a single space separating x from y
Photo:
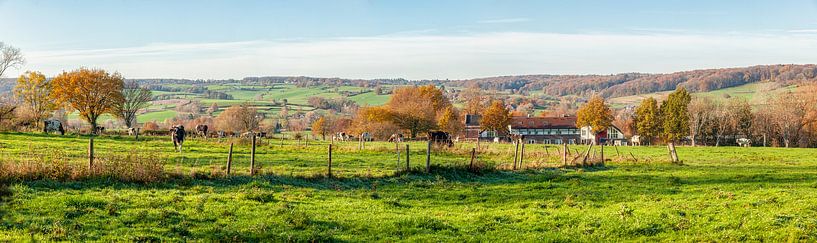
x=719 y=194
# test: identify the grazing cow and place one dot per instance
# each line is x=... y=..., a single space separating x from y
x=99 y=130
x=440 y=137
x=221 y=134
x=744 y=142
x=396 y=137
x=201 y=130
x=366 y=136
x=341 y=136
x=133 y=131
x=177 y=133
x=635 y=140
x=53 y=126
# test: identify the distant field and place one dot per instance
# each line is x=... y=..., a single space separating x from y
x=720 y=194
x=753 y=92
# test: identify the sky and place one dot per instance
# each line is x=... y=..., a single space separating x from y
x=419 y=39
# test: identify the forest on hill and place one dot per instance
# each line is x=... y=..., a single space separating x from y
x=613 y=85
x=626 y=84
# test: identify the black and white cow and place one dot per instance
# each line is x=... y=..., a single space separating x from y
x=177 y=133
x=53 y=125
x=397 y=138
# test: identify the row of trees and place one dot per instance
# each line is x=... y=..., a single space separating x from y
x=786 y=119
x=90 y=92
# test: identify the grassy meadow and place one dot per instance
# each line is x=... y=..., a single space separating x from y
x=719 y=194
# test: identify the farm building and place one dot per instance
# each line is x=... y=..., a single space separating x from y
x=547 y=130
x=613 y=135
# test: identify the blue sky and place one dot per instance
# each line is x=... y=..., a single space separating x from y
x=410 y=39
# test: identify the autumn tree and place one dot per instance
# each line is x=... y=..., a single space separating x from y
x=92 y=92
x=213 y=109
x=449 y=121
x=10 y=57
x=238 y=118
x=321 y=127
x=701 y=112
x=675 y=115
x=34 y=90
x=474 y=100
x=496 y=118
x=596 y=114
x=415 y=108
x=135 y=98
x=376 y=121
x=648 y=119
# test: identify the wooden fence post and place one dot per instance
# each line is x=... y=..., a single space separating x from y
x=407 y=158
x=397 y=151
x=252 y=157
x=428 y=157
x=473 y=156
x=229 y=159
x=329 y=169
x=522 y=155
x=602 y=154
x=515 y=153
x=91 y=153
x=672 y=153
x=564 y=154
x=584 y=161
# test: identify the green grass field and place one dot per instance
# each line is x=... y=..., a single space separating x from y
x=719 y=194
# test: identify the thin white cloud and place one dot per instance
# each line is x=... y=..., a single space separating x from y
x=807 y=31
x=504 y=21
x=438 y=56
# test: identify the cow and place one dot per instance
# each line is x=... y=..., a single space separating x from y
x=221 y=134
x=396 y=137
x=366 y=136
x=133 y=131
x=744 y=142
x=99 y=129
x=201 y=130
x=53 y=125
x=440 y=137
x=635 y=140
x=341 y=136
x=177 y=133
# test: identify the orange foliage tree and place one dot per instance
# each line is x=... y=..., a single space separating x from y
x=496 y=118
x=415 y=108
x=376 y=121
x=92 y=92
x=595 y=114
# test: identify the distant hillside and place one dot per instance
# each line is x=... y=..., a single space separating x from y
x=614 y=85
x=627 y=84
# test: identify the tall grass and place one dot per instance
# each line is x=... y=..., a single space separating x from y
x=128 y=167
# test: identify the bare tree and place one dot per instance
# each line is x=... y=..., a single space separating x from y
x=701 y=111
x=723 y=121
x=7 y=106
x=136 y=98
x=10 y=57
x=239 y=118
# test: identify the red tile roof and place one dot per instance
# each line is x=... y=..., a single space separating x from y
x=543 y=122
